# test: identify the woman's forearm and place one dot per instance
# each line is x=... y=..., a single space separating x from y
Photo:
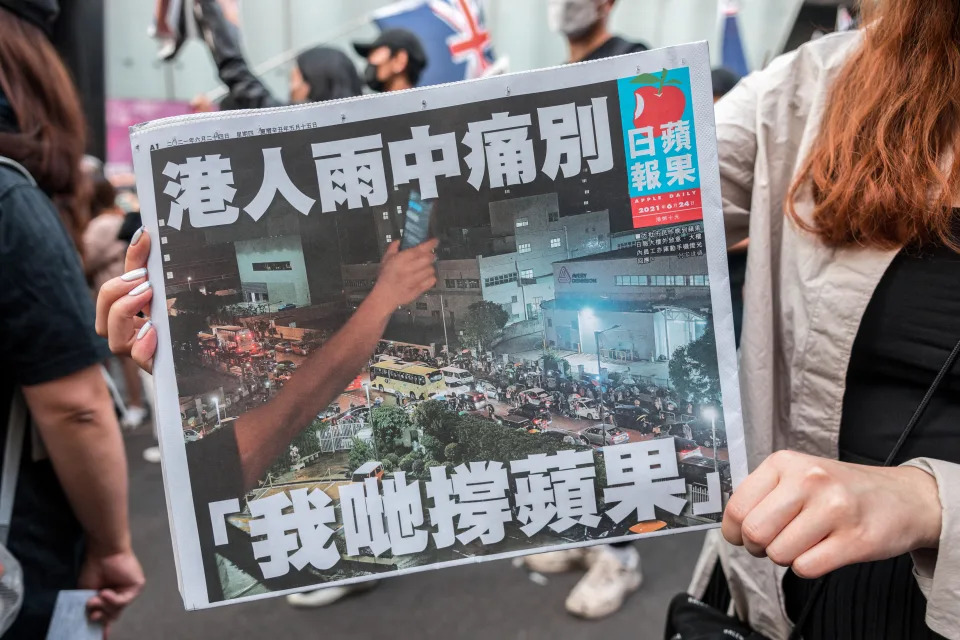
x=265 y=432
x=76 y=421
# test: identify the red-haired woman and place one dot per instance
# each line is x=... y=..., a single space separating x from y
x=840 y=162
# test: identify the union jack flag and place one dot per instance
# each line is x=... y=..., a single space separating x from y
x=454 y=36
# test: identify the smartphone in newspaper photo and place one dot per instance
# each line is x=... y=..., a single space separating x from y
x=416 y=226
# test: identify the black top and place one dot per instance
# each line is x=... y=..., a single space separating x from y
x=46 y=333
x=223 y=38
x=615 y=46
x=215 y=474
x=907 y=332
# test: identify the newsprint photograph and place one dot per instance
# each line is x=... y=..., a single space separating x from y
x=422 y=329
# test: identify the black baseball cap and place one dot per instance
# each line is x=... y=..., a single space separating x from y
x=395 y=40
x=40 y=13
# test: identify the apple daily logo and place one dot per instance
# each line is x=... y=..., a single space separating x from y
x=659 y=136
x=662 y=100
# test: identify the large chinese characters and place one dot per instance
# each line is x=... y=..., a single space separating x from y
x=352 y=173
x=472 y=503
x=678 y=170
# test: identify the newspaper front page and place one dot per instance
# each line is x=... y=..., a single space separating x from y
x=569 y=380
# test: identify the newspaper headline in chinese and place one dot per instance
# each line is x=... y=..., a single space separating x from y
x=569 y=378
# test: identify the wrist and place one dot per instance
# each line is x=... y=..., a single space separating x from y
x=379 y=301
x=102 y=548
x=925 y=495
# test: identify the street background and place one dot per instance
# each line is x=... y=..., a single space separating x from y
x=486 y=600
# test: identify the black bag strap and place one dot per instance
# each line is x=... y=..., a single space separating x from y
x=16 y=422
x=817 y=591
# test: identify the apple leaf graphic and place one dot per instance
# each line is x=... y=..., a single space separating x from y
x=645 y=78
x=660 y=81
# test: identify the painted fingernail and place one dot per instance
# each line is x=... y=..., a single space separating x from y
x=140 y=288
x=136 y=274
x=136 y=236
x=143 y=330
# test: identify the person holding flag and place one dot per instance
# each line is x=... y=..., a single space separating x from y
x=319 y=73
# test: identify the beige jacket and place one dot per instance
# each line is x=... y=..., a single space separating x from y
x=803 y=305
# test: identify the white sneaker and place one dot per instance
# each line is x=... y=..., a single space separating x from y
x=560 y=561
x=152 y=454
x=133 y=417
x=324 y=597
x=613 y=576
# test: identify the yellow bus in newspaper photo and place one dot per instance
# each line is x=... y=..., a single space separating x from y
x=414 y=380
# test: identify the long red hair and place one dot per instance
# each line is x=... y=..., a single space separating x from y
x=50 y=132
x=884 y=169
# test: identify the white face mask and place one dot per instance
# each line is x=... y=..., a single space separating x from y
x=572 y=17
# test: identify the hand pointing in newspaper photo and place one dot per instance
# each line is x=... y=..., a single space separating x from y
x=122 y=298
x=817 y=515
x=406 y=275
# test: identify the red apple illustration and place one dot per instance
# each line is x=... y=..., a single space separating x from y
x=658 y=103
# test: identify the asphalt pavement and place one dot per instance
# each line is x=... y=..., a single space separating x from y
x=487 y=600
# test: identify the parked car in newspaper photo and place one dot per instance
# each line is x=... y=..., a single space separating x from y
x=562 y=437
x=535 y=396
x=602 y=435
x=518 y=422
x=538 y=415
x=633 y=417
x=456 y=377
x=473 y=400
x=488 y=389
x=703 y=432
x=583 y=408
x=300 y=349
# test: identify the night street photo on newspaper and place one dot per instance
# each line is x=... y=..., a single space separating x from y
x=570 y=379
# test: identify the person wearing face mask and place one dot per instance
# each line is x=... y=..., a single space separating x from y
x=584 y=24
x=320 y=73
x=395 y=60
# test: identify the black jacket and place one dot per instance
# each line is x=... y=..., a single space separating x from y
x=329 y=72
